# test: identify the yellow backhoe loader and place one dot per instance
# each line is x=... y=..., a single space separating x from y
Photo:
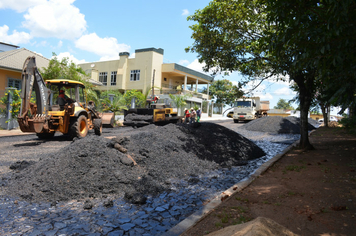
x=55 y=106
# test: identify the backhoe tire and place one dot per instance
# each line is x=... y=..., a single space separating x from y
x=98 y=126
x=45 y=135
x=79 y=127
x=236 y=121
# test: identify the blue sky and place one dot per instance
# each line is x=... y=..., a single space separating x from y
x=88 y=31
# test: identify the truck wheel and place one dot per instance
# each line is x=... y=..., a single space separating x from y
x=236 y=121
x=79 y=127
x=45 y=135
x=98 y=126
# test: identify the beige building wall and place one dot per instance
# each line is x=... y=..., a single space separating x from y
x=146 y=61
x=5 y=75
x=149 y=62
x=94 y=68
x=122 y=70
x=170 y=81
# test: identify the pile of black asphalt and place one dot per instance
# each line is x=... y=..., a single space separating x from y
x=133 y=165
x=278 y=125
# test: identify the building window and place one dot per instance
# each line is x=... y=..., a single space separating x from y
x=113 y=78
x=14 y=83
x=103 y=78
x=135 y=75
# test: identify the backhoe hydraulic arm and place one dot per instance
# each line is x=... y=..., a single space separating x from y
x=33 y=116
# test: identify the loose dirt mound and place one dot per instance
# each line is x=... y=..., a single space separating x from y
x=277 y=124
x=260 y=226
x=140 y=161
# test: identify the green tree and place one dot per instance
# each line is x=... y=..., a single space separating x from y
x=65 y=69
x=14 y=106
x=118 y=103
x=262 y=39
x=224 y=91
x=140 y=98
x=179 y=101
x=283 y=104
x=322 y=35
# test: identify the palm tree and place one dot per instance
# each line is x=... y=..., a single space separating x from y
x=118 y=104
x=179 y=100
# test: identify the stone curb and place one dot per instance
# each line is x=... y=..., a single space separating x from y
x=199 y=215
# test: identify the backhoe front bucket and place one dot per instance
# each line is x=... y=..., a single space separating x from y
x=26 y=125
x=38 y=123
x=108 y=119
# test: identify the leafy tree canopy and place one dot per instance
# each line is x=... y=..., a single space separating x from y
x=321 y=34
x=140 y=98
x=179 y=100
x=65 y=69
x=265 y=38
x=283 y=104
x=224 y=91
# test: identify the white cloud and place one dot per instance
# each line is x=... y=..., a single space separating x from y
x=20 y=5
x=15 y=37
x=259 y=91
x=285 y=91
x=109 y=58
x=235 y=83
x=38 y=53
x=185 y=12
x=265 y=97
x=183 y=62
x=60 y=43
x=55 y=18
x=196 y=65
x=70 y=57
x=108 y=48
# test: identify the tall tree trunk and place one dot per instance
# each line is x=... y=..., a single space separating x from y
x=305 y=84
x=325 y=109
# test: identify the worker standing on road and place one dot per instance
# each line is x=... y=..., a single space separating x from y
x=193 y=115
x=198 y=114
x=187 y=115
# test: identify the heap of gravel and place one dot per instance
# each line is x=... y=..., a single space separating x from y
x=278 y=125
x=137 y=163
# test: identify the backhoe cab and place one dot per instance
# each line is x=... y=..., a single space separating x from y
x=55 y=105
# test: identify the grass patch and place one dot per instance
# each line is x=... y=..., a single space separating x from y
x=324 y=210
x=325 y=169
x=293 y=168
x=241 y=220
x=224 y=217
x=233 y=215
x=353 y=163
x=239 y=209
x=242 y=200
x=218 y=225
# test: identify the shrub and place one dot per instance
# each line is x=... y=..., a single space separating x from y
x=15 y=105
